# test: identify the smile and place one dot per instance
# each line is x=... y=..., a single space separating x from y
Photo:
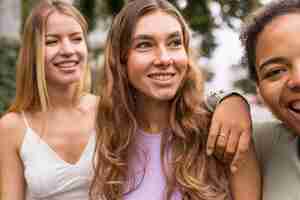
x=295 y=106
x=66 y=64
x=161 y=76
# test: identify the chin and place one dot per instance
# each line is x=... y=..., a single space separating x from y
x=165 y=97
x=64 y=82
x=72 y=77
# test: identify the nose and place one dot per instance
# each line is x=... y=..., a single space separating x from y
x=67 y=48
x=294 y=78
x=163 y=57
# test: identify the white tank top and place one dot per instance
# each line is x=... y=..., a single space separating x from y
x=48 y=177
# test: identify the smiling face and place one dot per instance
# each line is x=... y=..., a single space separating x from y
x=278 y=68
x=157 y=59
x=65 y=50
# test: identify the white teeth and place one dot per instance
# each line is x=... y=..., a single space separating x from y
x=161 y=77
x=296 y=105
x=66 y=64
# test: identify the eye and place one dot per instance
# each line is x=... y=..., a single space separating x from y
x=143 y=45
x=274 y=74
x=175 y=43
x=77 y=39
x=51 y=42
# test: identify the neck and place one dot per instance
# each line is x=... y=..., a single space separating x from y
x=62 y=97
x=153 y=116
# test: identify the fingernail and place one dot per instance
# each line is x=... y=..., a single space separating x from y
x=233 y=169
x=209 y=152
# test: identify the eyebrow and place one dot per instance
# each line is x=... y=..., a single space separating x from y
x=142 y=37
x=175 y=34
x=55 y=35
x=272 y=61
x=149 y=37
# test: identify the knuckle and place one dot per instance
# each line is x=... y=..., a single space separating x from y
x=221 y=144
x=230 y=152
x=243 y=149
x=222 y=138
x=213 y=134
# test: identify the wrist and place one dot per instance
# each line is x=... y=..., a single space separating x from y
x=215 y=98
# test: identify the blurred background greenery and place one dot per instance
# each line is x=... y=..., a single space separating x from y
x=198 y=13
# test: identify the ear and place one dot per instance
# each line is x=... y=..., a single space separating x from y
x=260 y=99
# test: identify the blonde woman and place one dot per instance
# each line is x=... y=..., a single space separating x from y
x=152 y=124
x=47 y=139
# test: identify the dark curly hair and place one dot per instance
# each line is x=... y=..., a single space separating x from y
x=255 y=24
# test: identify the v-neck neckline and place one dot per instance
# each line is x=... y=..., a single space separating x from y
x=57 y=156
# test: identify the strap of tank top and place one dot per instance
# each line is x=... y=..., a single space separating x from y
x=25 y=120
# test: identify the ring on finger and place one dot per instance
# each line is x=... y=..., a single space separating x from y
x=221 y=135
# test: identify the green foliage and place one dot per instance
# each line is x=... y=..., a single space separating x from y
x=26 y=6
x=200 y=17
x=87 y=8
x=8 y=57
x=114 y=6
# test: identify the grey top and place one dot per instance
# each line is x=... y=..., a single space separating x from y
x=276 y=148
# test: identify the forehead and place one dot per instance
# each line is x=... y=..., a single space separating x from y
x=59 y=22
x=157 y=22
x=284 y=24
x=280 y=37
x=281 y=27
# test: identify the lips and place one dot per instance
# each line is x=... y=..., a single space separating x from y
x=295 y=106
x=66 y=63
x=161 y=76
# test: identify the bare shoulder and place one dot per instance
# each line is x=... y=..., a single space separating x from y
x=11 y=121
x=12 y=128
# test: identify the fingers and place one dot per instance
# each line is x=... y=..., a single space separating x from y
x=229 y=144
x=222 y=142
x=232 y=146
x=242 y=149
x=212 y=137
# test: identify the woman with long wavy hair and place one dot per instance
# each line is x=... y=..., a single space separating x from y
x=47 y=135
x=152 y=123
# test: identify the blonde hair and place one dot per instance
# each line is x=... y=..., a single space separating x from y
x=31 y=86
x=191 y=172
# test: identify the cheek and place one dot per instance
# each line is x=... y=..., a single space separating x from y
x=181 y=61
x=142 y=59
x=267 y=92
x=134 y=73
x=50 y=53
x=47 y=62
x=47 y=55
x=83 y=51
x=271 y=94
x=180 y=56
x=137 y=63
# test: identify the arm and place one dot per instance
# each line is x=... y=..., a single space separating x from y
x=246 y=183
x=230 y=131
x=12 y=173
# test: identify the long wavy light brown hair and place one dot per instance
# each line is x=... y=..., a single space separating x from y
x=191 y=172
x=31 y=84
